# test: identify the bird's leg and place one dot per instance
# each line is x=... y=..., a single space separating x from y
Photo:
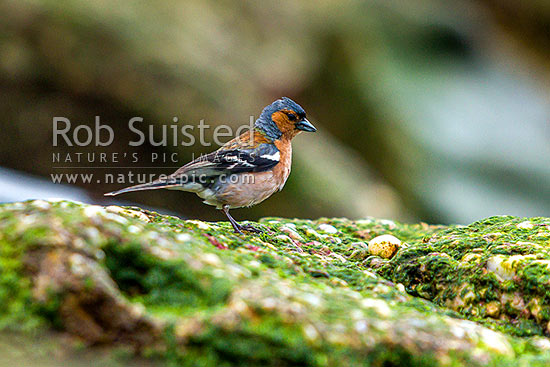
x=233 y=222
x=236 y=226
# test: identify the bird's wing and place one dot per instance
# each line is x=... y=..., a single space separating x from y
x=228 y=161
x=254 y=156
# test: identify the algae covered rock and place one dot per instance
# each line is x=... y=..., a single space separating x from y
x=194 y=293
x=496 y=270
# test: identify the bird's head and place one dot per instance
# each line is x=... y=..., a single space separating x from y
x=283 y=118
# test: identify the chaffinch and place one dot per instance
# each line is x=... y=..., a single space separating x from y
x=246 y=170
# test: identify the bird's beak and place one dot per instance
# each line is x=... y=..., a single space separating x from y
x=305 y=125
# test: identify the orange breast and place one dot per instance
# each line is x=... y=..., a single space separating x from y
x=282 y=170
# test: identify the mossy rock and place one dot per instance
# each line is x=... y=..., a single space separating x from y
x=303 y=293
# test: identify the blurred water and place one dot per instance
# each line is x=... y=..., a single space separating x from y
x=18 y=186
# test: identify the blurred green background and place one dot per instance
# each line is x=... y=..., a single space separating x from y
x=426 y=110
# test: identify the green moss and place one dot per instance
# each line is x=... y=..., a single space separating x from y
x=162 y=283
x=17 y=310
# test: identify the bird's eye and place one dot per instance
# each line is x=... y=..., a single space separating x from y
x=291 y=116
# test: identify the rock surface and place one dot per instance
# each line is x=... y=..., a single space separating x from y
x=304 y=293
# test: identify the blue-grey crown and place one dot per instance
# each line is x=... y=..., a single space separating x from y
x=266 y=124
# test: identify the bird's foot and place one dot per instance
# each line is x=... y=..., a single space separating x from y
x=250 y=228
x=246 y=227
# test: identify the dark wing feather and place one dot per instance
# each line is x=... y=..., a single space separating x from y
x=228 y=161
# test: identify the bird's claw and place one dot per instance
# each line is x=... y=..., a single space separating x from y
x=248 y=228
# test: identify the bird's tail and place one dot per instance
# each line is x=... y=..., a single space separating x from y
x=146 y=186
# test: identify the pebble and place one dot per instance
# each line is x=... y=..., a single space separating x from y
x=200 y=224
x=184 y=237
x=328 y=228
x=283 y=237
x=314 y=233
x=390 y=223
x=133 y=213
x=338 y=257
x=360 y=244
x=359 y=254
x=291 y=232
x=493 y=309
x=211 y=259
x=41 y=204
x=525 y=225
x=384 y=246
